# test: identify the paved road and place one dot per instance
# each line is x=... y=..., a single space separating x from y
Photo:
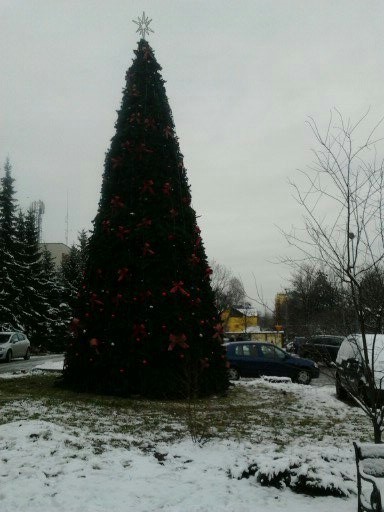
x=20 y=364
x=326 y=377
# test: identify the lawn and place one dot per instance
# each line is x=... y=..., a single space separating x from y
x=65 y=451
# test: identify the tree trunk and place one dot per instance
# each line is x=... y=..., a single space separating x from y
x=376 y=432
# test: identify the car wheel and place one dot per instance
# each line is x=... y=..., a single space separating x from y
x=303 y=377
x=233 y=374
x=27 y=354
x=8 y=357
x=340 y=391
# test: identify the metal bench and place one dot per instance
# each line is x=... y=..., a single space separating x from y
x=370 y=476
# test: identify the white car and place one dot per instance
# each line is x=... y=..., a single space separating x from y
x=14 y=344
x=351 y=367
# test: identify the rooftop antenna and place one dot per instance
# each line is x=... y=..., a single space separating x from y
x=66 y=223
x=38 y=208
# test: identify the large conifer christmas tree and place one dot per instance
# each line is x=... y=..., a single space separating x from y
x=145 y=320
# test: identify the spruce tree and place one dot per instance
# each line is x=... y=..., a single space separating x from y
x=35 y=304
x=58 y=312
x=73 y=267
x=145 y=320
x=9 y=267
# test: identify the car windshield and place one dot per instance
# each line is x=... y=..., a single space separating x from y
x=4 y=337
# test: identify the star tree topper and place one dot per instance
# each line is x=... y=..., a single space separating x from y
x=143 y=25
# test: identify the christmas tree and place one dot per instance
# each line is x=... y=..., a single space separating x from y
x=145 y=321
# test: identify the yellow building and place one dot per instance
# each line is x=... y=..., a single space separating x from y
x=243 y=324
x=239 y=320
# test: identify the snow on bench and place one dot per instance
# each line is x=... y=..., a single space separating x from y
x=370 y=468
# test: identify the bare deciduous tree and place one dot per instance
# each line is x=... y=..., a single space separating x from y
x=341 y=195
x=229 y=290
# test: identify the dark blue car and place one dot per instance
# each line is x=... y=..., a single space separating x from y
x=254 y=359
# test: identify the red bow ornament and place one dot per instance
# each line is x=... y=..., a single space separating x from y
x=204 y=363
x=122 y=232
x=117 y=203
x=117 y=163
x=139 y=331
x=134 y=91
x=145 y=223
x=75 y=325
x=178 y=287
x=149 y=122
x=147 y=249
x=106 y=224
x=135 y=118
x=141 y=149
x=95 y=301
x=177 y=339
x=129 y=75
x=195 y=260
x=168 y=132
x=123 y=273
x=116 y=300
x=208 y=271
x=127 y=145
x=148 y=187
x=147 y=53
x=167 y=189
x=219 y=331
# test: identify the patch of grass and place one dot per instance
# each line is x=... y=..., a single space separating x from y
x=262 y=414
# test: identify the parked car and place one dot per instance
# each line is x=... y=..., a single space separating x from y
x=351 y=370
x=322 y=348
x=14 y=344
x=254 y=359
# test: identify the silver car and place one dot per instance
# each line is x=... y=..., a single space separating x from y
x=14 y=344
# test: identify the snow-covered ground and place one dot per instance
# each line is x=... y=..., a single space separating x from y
x=55 y=456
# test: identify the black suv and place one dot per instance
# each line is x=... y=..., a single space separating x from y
x=323 y=348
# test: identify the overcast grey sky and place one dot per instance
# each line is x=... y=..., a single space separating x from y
x=242 y=77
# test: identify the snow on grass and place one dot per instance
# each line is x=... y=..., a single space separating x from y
x=94 y=454
x=51 y=366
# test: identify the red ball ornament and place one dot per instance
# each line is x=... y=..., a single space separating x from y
x=164 y=294
x=121 y=370
x=145 y=361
